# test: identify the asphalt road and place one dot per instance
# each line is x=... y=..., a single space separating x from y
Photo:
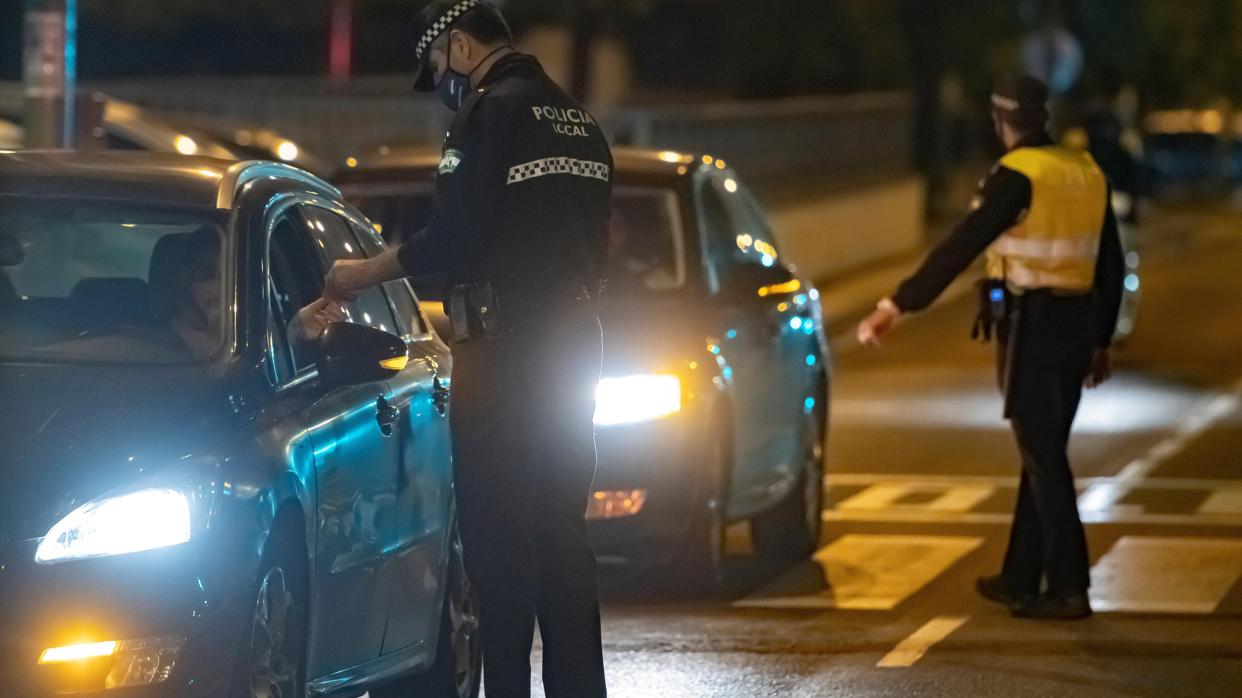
x=922 y=477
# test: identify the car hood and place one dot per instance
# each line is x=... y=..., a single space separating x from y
x=72 y=433
x=651 y=332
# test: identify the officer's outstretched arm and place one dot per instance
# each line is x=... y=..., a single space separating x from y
x=1002 y=201
x=348 y=276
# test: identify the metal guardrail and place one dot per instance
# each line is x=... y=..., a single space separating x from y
x=787 y=144
x=327 y=120
x=780 y=146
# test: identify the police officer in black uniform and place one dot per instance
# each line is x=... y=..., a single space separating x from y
x=1052 y=297
x=523 y=197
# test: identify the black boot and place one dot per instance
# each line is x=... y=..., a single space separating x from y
x=995 y=589
x=1073 y=606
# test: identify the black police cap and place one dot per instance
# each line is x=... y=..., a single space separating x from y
x=431 y=22
x=1020 y=95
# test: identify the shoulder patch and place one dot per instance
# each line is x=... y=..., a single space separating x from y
x=450 y=160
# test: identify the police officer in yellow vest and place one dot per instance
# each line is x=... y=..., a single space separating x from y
x=1052 y=294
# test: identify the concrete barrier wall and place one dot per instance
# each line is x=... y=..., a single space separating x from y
x=829 y=235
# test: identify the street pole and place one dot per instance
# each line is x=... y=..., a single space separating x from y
x=50 y=70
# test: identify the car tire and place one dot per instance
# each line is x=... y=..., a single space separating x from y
x=702 y=551
x=791 y=529
x=458 y=666
x=271 y=662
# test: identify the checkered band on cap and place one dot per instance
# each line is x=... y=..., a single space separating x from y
x=1005 y=103
x=442 y=22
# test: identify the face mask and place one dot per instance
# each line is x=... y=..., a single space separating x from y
x=452 y=89
x=453 y=85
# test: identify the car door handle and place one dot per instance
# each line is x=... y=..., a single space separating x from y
x=386 y=415
x=439 y=396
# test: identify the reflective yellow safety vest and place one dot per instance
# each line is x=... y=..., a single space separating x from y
x=1056 y=243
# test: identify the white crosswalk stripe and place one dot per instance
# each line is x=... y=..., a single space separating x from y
x=866 y=572
x=1138 y=574
x=1166 y=575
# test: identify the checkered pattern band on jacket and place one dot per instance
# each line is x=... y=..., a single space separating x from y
x=552 y=166
x=442 y=22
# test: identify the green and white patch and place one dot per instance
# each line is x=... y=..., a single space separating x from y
x=449 y=161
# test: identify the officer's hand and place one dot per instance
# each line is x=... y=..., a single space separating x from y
x=311 y=321
x=345 y=279
x=878 y=323
x=1101 y=368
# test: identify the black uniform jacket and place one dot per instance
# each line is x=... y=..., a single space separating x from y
x=1004 y=198
x=523 y=192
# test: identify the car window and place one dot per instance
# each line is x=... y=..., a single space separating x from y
x=335 y=241
x=753 y=242
x=735 y=229
x=399 y=294
x=717 y=232
x=398 y=214
x=645 y=241
x=110 y=282
x=296 y=280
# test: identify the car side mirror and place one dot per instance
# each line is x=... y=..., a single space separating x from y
x=749 y=283
x=351 y=354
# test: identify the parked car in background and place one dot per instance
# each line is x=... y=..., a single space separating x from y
x=197 y=501
x=128 y=126
x=1187 y=151
x=714 y=399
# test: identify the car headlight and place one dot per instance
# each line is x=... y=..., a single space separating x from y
x=632 y=399
x=128 y=523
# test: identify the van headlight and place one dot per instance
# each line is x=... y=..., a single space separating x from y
x=642 y=398
x=127 y=523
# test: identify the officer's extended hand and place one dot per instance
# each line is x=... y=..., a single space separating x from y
x=878 y=323
x=345 y=279
x=1101 y=368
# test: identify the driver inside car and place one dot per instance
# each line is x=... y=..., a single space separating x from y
x=196 y=319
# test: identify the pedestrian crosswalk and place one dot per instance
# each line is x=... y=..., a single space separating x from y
x=875 y=573
x=1141 y=574
x=990 y=500
x=1137 y=574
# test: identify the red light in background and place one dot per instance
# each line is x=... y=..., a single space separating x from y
x=340 y=40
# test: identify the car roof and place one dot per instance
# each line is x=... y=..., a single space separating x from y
x=142 y=177
x=417 y=157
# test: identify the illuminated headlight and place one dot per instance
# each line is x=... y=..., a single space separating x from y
x=128 y=523
x=636 y=399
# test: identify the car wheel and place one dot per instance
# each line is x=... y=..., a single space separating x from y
x=273 y=648
x=703 y=549
x=791 y=530
x=458 y=665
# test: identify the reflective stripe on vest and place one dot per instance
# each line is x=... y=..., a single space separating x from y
x=1085 y=247
x=1024 y=278
x=1056 y=243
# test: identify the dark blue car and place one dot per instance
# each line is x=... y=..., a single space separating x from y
x=197 y=499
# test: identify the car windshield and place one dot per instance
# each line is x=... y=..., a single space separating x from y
x=645 y=236
x=93 y=283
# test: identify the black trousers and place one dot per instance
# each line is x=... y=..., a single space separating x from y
x=1043 y=359
x=524 y=458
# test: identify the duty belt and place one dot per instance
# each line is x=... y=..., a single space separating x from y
x=475 y=309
